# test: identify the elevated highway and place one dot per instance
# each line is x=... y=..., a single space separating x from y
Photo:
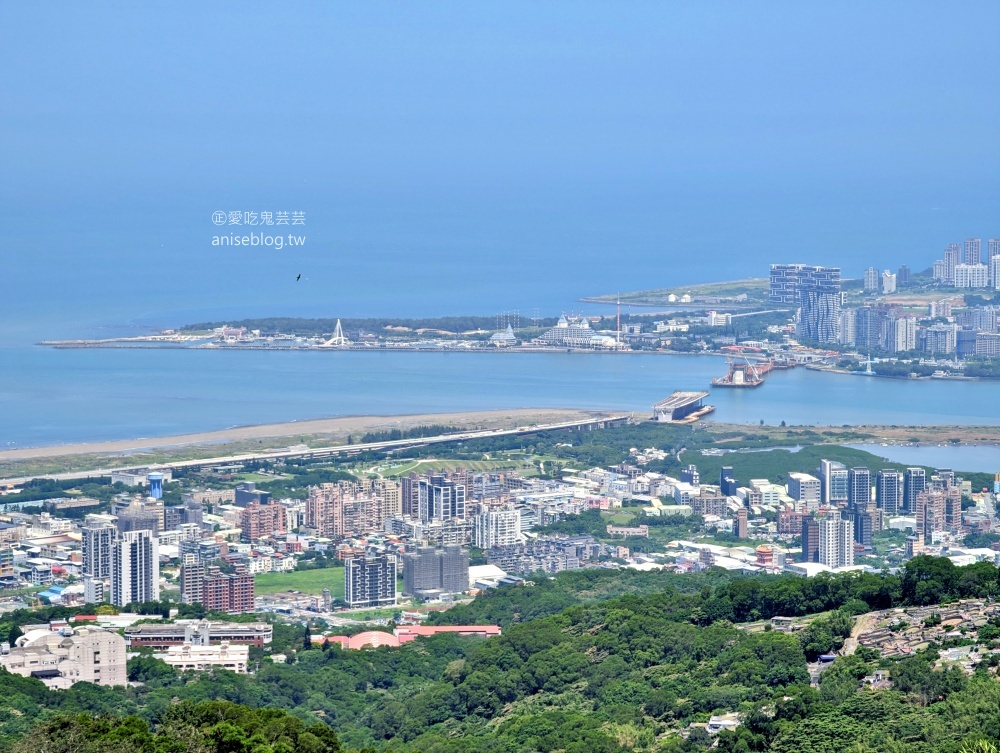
x=334 y=450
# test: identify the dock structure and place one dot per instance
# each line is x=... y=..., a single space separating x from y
x=744 y=372
x=682 y=407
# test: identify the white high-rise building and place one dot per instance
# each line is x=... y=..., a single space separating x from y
x=805 y=488
x=888 y=283
x=98 y=538
x=973 y=251
x=889 y=491
x=939 y=308
x=971 y=276
x=848 y=334
x=995 y=269
x=833 y=480
x=135 y=568
x=94 y=590
x=904 y=334
x=952 y=258
x=938 y=270
x=992 y=250
x=836 y=542
x=497 y=528
x=440 y=498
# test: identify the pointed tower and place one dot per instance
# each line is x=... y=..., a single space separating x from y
x=339 y=340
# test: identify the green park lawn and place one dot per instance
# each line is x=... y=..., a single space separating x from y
x=306 y=581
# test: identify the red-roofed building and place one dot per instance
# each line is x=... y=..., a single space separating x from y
x=407 y=633
x=404 y=634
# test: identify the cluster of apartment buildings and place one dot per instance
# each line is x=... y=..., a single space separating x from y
x=42 y=549
x=117 y=556
x=417 y=529
x=122 y=553
x=836 y=511
x=421 y=526
x=815 y=293
x=852 y=504
x=965 y=266
x=973 y=331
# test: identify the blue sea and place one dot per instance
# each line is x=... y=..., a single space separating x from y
x=83 y=275
x=468 y=159
x=63 y=396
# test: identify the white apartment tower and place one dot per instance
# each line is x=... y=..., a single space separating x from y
x=836 y=542
x=848 y=334
x=952 y=258
x=805 y=488
x=496 y=528
x=904 y=334
x=135 y=568
x=971 y=276
x=888 y=283
x=889 y=491
x=98 y=539
x=973 y=250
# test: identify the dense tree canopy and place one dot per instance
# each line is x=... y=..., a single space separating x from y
x=605 y=660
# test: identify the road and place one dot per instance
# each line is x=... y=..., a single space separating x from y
x=332 y=451
x=863 y=624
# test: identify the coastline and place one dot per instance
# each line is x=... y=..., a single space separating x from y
x=78 y=460
x=340 y=426
x=486 y=350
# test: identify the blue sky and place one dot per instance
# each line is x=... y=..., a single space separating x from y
x=423 y=137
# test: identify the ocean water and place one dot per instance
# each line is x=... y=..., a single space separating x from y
x=84 y=276
x=980 y=458
x=464 y=160
x=63 y=396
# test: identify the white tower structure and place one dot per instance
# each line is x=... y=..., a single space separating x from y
x=339 y=340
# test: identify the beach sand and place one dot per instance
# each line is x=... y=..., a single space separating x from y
x=332 y=427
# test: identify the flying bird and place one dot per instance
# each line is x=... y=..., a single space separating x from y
x=299 y=277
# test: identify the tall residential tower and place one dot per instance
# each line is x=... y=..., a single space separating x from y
x=135 y=568
x=816 y=291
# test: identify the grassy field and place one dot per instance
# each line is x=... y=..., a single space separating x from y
x=426 y=466
x=306 y=581
x=621 y=517
x=30 y=591
x=368 y=615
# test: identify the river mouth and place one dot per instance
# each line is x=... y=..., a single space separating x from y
x=975 y=458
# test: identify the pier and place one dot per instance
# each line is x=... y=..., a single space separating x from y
x=744 y=373
x=682 y=408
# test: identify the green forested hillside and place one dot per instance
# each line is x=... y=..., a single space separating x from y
x=210 y=727
x=597 y=661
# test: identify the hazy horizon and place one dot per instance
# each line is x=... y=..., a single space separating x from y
x=471 y=159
